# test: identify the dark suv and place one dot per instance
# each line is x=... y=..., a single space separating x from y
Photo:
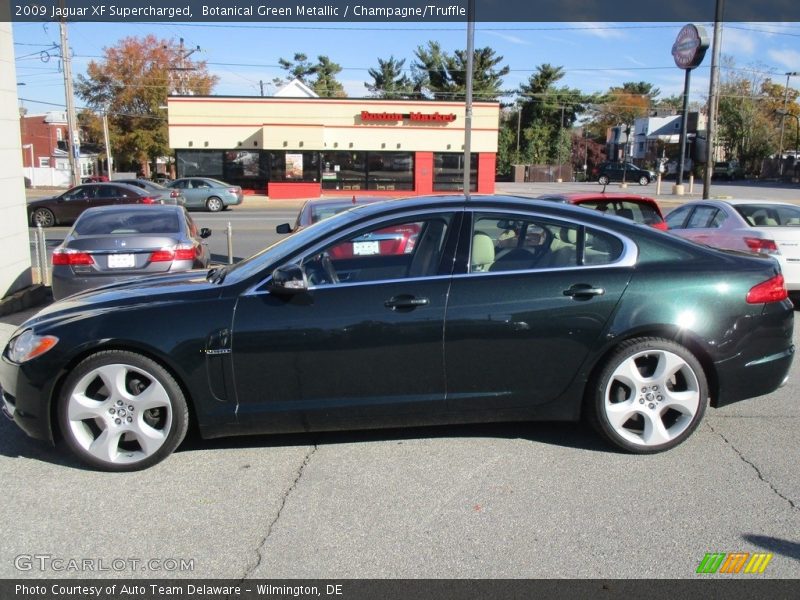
x=615 y=171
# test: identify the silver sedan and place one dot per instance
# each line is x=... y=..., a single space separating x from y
x=761 y=226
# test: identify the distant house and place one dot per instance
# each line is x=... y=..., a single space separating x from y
x=45 y=157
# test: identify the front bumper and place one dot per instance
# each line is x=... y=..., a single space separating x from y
x=24 y=403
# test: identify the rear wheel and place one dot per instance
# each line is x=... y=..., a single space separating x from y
x=649 y=396
x=121 y=411
x=214 y=204
x=603 y=180
x=43 y=217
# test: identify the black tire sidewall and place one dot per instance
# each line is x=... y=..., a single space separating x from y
x=596 y=392
x=180 y=412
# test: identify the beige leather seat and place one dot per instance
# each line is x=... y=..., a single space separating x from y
x=482 y=255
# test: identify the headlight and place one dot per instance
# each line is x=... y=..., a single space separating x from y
x=28 y=345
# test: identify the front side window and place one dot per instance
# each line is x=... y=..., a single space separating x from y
x=500 y=243
x=677 y=218
x=398 y=250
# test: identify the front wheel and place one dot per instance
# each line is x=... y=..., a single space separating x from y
x=644 y=180
x=121 y=411
x=649 y=396
x=43 y=217
x=603 y=180
x=214 y=204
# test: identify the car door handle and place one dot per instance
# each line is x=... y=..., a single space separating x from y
x=405 y=302
x=580 y=290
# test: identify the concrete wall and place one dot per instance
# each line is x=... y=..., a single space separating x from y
x=15 y=254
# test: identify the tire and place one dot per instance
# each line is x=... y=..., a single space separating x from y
x=649 y=396
x=43 y=217
x=644 y=180
x=214 y=204
x=129 y=428
x=603 y=180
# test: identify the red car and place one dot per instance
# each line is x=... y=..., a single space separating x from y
x=630 y=206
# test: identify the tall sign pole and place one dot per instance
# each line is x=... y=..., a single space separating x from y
x=688 y=51
x=468 y=100
x=72 y=121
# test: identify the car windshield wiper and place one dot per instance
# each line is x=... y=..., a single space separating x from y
x=217 y=274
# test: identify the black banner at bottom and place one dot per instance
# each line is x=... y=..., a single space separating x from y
x=397 y=589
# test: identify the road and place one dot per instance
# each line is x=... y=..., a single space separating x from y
x=541 y=500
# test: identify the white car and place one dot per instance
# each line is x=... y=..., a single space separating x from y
x=762 y=226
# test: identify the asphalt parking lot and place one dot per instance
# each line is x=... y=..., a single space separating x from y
x=543 y=500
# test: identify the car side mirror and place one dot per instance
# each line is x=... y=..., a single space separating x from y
x=289 y=279
x=283 y=228
x=205 y=232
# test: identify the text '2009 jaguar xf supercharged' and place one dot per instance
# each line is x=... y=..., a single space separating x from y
x=496 y=309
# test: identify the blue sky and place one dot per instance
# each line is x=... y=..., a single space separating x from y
x=595 y=56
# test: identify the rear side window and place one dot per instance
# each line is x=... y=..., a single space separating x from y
x=765 y=215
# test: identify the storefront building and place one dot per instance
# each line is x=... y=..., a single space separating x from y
x=307 y=147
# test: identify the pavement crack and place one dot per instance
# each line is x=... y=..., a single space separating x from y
x=753 y=466
x=263 y=541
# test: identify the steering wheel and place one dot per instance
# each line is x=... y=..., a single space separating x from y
x=320 y=270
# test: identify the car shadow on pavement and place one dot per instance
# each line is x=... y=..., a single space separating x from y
x=14 y=443
x=568 y=435
x=776 y=545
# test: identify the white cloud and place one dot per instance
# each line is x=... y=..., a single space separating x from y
x=788 y=58
x=638 y=63
x=737 y=41
x=509 y=38
x=604 y=31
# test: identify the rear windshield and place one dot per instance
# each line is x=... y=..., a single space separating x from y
x=319 y=213
x=641 y=212
x=769 y=215
x=117 y=223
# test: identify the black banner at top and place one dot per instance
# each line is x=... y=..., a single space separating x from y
x=395 y=11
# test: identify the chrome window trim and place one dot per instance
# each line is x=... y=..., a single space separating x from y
x=628 y=257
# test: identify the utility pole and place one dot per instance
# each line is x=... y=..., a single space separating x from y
x=783 y=119
x=713 y=100
x=261 y=85
x=72 y=121
x=182 y=68
x=109 y=166
x=468 y=102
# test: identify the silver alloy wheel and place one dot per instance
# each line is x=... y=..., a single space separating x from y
x=119 y=414
x=644 y=180
x=651 y=398
x=43 y=217
x=603 y=180
x=214 y=204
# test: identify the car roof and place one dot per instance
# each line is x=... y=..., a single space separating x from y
x=585 y=196
x=149 y=208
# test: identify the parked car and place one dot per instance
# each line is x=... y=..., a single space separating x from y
x=318 y=209
x=762 y=226
x=162 y=179
x=113 y=243
x=565 y=323
x=629 y=206
x=210 y=194
x=65 y=208
x=94 y=179
x=392 y=240
x=163 y=194
x=728 y=170
x=617 y=171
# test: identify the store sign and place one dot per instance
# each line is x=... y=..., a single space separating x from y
x=414 y=117
x=690 y=46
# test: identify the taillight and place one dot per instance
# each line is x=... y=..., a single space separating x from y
x=235 y=190
x=771 y=290
x=149 y=200
x=174 y=194
x=68 y=257
x=761 y=245
x=181 y=252
x=662 y=225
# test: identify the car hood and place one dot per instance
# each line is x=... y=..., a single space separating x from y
x=128 y=295
x=41 y=201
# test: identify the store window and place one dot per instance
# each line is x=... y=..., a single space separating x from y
x=344 y=170
x=247 y=168
x=448 y=171
x=390 y=171
x=292 y=166
x=206 y=163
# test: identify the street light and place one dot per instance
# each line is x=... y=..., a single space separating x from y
x=783 y=119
